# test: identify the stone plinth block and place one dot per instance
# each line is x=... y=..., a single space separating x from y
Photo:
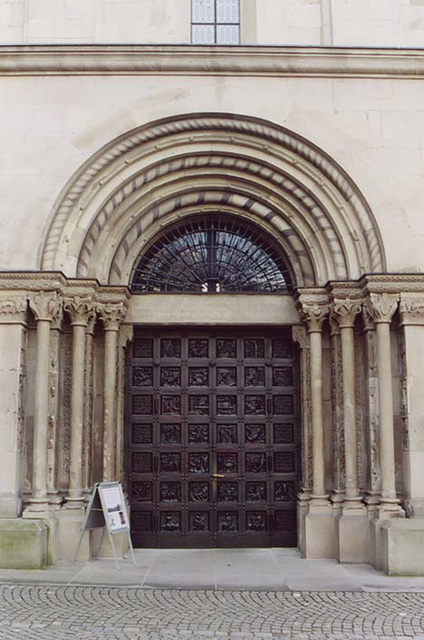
x=402 y=546
x=69 y=533
x=352 y=538
x=319 y=535
x=23 y=544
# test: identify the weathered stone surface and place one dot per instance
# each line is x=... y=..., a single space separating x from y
x=23 y=544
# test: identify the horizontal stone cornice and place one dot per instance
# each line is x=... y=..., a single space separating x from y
x=204 y=60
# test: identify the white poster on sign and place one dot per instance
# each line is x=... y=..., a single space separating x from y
x=113 y=502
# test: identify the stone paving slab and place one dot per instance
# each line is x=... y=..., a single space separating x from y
x=59 y=612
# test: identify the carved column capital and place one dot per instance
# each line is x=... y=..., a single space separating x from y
x=411 y=310
x=112 y=314
x=45 y=305
x=344 y=311
x=13 y=309
x=382 y=306
x=80 y=310
x=314 y=314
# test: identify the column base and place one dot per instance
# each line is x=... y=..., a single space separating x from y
x=303 y=500
x=50 y=518
x=352 y=535
x=319 y=529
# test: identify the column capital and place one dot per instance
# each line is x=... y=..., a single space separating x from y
x=13 y=309
x=411 y=310
x=80 y=310
x=112 y=314
x=345 y=310
x=382 y=306
x=314 y=314
x=45 y=305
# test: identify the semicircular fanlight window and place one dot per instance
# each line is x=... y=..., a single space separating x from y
x=212 y=255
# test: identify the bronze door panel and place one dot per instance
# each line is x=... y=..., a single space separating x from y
x=212 y=444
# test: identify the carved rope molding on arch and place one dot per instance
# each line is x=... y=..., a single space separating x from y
x=100 y=175
x=266 y=191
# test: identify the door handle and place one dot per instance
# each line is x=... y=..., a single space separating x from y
x=218 y=475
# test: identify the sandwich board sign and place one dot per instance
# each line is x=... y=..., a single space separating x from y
x=107 y=510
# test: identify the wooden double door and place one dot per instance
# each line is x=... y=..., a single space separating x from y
x=212 y=446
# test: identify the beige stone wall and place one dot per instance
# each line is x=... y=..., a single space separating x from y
x=378 y=23
x=51 y=125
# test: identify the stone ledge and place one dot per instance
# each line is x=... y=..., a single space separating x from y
x=204 y=60
x=23 y=544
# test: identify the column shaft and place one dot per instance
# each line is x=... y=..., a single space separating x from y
x=349 y=405
x=317 y=417
x=41 y=412
x=387 y=444
x=111 y=343
x=77 y=412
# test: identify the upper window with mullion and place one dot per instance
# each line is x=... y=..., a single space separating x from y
x=215 y=22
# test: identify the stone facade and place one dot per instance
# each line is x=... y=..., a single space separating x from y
x=318 y=146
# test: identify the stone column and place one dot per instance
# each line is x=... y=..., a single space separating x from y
x=126 y=334
x=13 y=317
x=111 y=315
x=382 y=307
x=44 y=305
x=88 y=407
x=412 y=326
x=373 y=493
x=79 y=310
x=345 y=312
x=319 y=522
x=337 y=496
x=351 y=523
x=55 y=400
x=301 y=338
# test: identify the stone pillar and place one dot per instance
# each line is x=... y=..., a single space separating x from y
x=13 y=311
x=351 y=524
x=373 y=493
x=319 y=522
x=126 y=334
x=79 y=310
x=337 y=496
x=412 y=326
x=301 y=338
x=45 y=305
x=55 y=400
x=382 y=307
x=111 y=315
x=88 y=407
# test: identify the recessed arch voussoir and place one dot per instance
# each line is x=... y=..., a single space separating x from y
x=299 y=179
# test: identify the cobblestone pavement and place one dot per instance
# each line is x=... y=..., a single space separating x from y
x=44 y=612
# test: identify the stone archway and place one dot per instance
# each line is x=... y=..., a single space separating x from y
x=169 y=169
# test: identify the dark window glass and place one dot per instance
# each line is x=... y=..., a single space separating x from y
x=212 y=255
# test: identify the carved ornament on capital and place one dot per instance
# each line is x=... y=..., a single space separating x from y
x=344 y=311
x=80 y=310
x=382 y=306
x=13 y=309
x=314 y=313
x=412 y=310
x=46 y=305
x=111 y=315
